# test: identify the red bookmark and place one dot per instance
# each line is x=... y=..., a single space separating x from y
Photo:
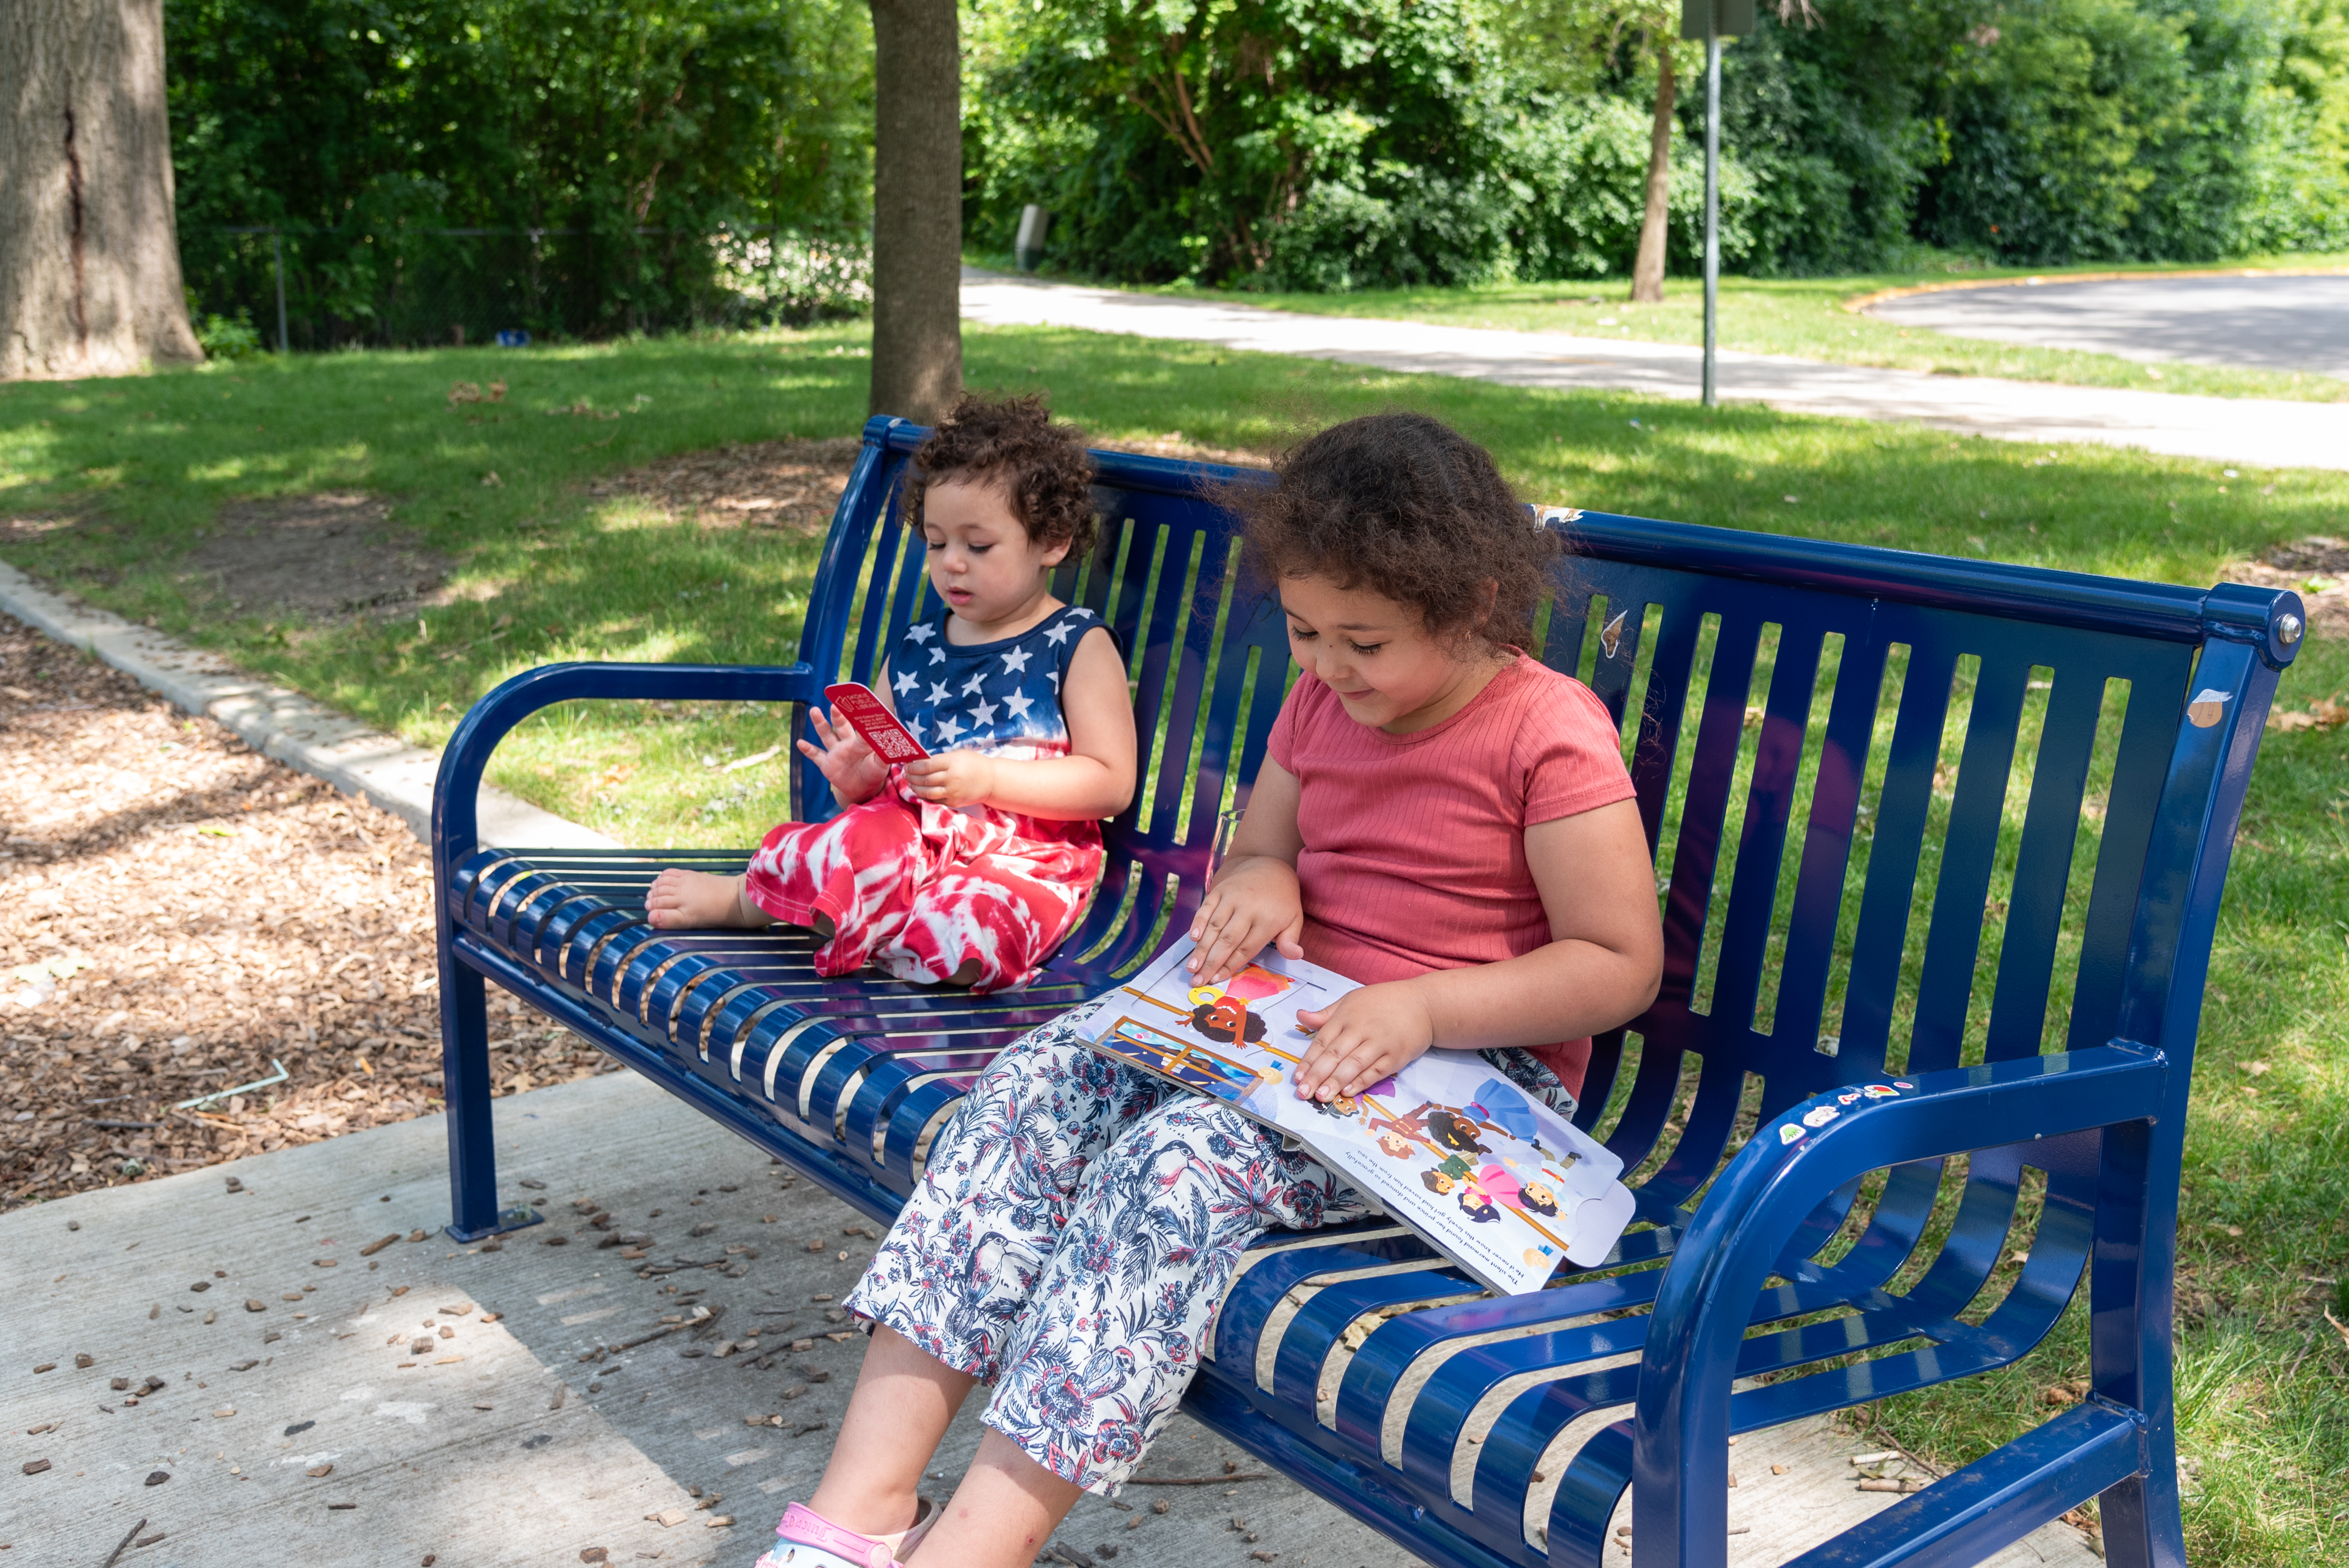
x=890 y=741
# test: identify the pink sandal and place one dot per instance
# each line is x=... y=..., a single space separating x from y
x=805 y=1539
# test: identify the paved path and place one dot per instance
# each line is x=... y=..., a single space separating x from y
x=2253 y=431
x=2265 y=323
x=294 y=1421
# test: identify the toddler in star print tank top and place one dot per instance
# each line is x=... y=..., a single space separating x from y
x=970 y=865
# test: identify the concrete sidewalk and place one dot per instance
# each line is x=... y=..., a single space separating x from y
x=262 y=1391
x=2260 y=432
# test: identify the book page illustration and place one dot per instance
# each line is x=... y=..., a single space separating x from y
x=1487 y=1172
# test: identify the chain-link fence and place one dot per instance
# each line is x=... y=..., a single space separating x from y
x=321 y=289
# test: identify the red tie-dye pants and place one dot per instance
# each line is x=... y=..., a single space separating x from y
x=917 y=891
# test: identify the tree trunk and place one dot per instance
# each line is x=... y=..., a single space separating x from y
x=916 y=209
x=1648 y=270
x=90 y=247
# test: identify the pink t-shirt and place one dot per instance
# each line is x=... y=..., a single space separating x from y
x=1414 y=855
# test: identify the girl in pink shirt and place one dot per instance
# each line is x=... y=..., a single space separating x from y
x=1442 y=817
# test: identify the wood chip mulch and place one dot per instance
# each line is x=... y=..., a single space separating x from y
x=791 y=486
x=2316 y=569
x=181 y=911
x=794 y=485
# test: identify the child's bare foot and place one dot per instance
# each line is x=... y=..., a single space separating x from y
x=688 y=900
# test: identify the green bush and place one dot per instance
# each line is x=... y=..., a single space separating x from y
x=1834 y=124
x=2059 y=127
x=1313 y=144
x=1309 y=144
x=2044 y=131
x=627 y=132
x=222 y=338
x=1339 y=144
x=1584 y=164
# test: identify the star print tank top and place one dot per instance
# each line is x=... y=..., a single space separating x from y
x=1002 y=698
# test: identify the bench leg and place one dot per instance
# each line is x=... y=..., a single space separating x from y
x=465 y=1085
x=2131 y=1301
x=2141 y=1523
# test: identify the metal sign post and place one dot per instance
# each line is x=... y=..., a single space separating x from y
x=278 y=248
x=1712 y=20
x=1712 y=204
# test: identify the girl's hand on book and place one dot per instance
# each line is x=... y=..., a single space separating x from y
x=952 y=778
x=1252 y=902
x=1360 y=1038
x=844 y=760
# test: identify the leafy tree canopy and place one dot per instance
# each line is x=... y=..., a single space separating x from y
x=632 y=128
x=644 y=164
x=1349 y=143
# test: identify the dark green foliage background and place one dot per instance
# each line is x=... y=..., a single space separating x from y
x=1319 y=145
x=1334 y=144
x=640 y=128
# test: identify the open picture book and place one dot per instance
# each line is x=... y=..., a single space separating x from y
x=1486 y=1172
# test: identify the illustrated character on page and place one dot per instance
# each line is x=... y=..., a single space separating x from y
x=1227 y=1021
x=1441 y=1178
x=1501 y=1105
x=1401 y=1134
x=1493 y=1186
x=1477 y=1204
x=1452 y=1129
x=1221 y=1013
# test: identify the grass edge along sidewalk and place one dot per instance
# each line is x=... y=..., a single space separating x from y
x=280 y=723
x=120 y=477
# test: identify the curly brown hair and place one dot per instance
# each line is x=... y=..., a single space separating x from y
x=1409 y=508
x=1012 y=440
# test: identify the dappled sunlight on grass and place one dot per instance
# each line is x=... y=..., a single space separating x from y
x=543 y=571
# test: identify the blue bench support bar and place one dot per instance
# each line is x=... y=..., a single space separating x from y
x=455 y=831
x=1973 y=1513
x=2131 y=1291
x=829 y=1167
x=2250 y=616
x=1680 y=1454
x=1364 y=1490
x=1852 y=873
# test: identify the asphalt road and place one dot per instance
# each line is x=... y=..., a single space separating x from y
x=2263 y=323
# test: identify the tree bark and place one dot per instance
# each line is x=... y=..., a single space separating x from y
x=90 y=247
x=1647 y=269
x=916 y=209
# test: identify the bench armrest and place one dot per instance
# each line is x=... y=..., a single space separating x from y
x=455 y=818
x=1680 y=1429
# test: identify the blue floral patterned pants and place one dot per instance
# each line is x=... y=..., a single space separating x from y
x=1073 y=1235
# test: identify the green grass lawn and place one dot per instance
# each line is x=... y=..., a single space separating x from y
x=108 y=484
x=1806 y=317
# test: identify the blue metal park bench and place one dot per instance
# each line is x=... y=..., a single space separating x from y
x=1971 y=817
